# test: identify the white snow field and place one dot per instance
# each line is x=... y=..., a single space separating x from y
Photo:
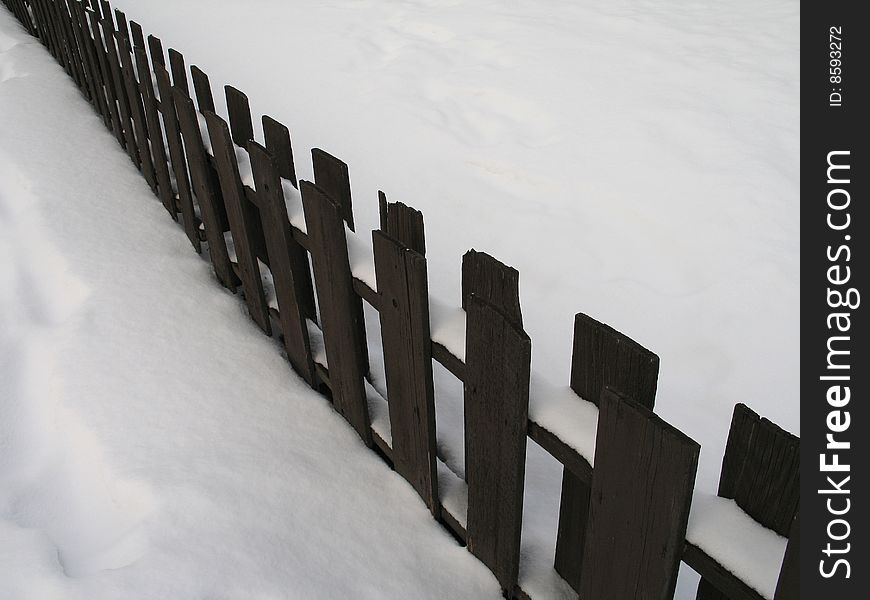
x=636 y=161
x=153 y=443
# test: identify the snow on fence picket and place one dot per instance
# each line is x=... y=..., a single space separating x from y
x=624 y=522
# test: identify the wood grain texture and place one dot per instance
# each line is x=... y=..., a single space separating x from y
x=761 y=473
x=120 y=86
x=639 y=508
x=402 y=223
x=92 y=67
x=71 y=44
x=340 y=308
x=331 y=176
x=137 y=109
x=278 y=143
x=155 y=49
x=114 y=114
x=498 y=359
x=202 y=90
x=289 y=266
x=761 y=470
x=184 y=200
x=203 y=186
x=239 y=111
x=493 y=281
x=241 y=224
x=404 y=316
x=178 y=70
x=602 y=357
x=155 y=129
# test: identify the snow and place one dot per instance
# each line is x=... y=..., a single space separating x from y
x=362 y=261
x=447 y=327
x=737 y=542
x=559 y=410
x=637 y=161
x=154 y=443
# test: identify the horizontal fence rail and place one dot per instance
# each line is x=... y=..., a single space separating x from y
x=289 y=247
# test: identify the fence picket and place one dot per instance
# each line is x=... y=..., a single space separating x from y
x=202 y=90
x=120 y=85
x=155 y=129
x=639 y=509
x=137 y=110
x=277 y=138
x=240 y=222
x=239 y=111
x=114 y=115
x=204 y=188
x=404 y=316
x=184 y=201
x=340 y=308
x=289 y=263
x=331 y=175
x=602 y=357
x=498 y=363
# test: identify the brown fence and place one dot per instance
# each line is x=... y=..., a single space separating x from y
x=622 y=525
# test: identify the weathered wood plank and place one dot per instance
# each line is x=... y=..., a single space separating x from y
x=639 y=509
x=278 y=144
x=602 y=357
x=340 y=308
x=46 y=35
x=290 y=268
x=155 y=49
x=120 y=86
x=85 y=54
x=279 y=148
x=114 y=115
x=239 y=111
x=492 y=280
x=204 y=188
x=155 y=128
x=202 y=89
x=240 y=224
x=178 y=70
x=100 y=100
x=761 y=470
x=49 y=26
x=761 y=473
x=137 y=110
x=498 y=362
x=331 y=175
x=71 y=44
x=402 y=223
x=404 y=316
x=184 y=201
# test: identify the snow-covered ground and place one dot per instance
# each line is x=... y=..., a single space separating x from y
x=637 y=161
x=145 y=422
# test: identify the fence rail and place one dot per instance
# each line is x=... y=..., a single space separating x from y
x=627 y=489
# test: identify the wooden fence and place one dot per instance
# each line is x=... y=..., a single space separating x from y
x=622 y=525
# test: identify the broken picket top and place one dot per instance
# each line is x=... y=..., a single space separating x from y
x=761 y=473
x=223 y=182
